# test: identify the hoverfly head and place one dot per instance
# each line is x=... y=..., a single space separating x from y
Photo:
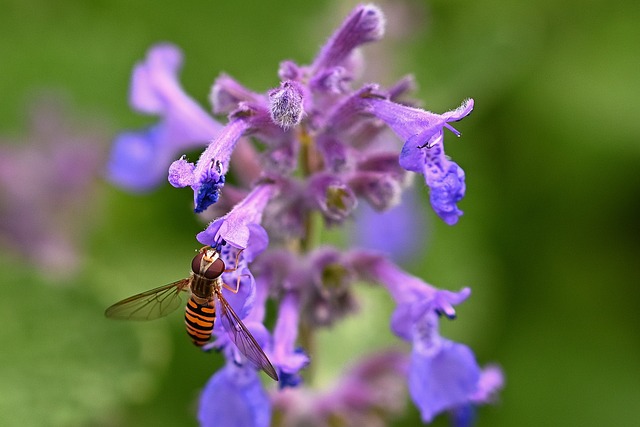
x=208 y=263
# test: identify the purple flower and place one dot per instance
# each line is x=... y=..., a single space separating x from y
x=329 y=295
x=380 y=180
x=139 y=159
x=364 y=24
x=286 y=357
x=234 y=397
x=332 y=197
x=241 y=227
x=368 y=394
x=443 y=375
x=48 y=187
x=314 y=147
x=405 y=229
x=226 y=94
x=444 y=380
x=416 y=126
x=423 y=151
x=207 y=177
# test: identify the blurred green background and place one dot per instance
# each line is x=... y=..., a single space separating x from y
x=549 y=243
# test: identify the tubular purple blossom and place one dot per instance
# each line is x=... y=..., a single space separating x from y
x=364 y=24
x=288 y=359
x=241 y=227
x=423 y=151
x=423 y=128
x=207 y=176
x=139 y=159
x=443 y=375
x=226 y=93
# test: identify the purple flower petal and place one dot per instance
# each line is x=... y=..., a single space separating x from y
x=139 y=158
x=404 y=229
x=181 y=173
x=447 y=188
x=407 y=122
x=227 y=94
x=364 y=24
x=288 y=359
x=234 y=397
x=234 y=227
x=207 y=177
x=442 y=382
x=491 y=382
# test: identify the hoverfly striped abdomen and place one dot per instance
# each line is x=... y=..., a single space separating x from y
x=199 y=320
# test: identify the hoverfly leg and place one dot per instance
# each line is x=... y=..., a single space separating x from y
x=230 y=270
x=237 y=288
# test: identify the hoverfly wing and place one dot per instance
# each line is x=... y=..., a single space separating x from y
x=242 y=338
x=151 y=304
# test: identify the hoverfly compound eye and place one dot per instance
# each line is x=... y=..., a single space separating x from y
x=215 y=270
x=196 y=263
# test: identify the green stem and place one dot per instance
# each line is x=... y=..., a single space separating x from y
x=312 y=229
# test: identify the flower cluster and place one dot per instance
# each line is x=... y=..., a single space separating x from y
x=313 y=147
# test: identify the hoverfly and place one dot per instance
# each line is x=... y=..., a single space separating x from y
x=205 y=287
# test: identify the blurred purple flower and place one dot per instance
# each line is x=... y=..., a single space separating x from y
x=369 y=394
x=400 y=232
x=48 y=187
x=139 y=160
